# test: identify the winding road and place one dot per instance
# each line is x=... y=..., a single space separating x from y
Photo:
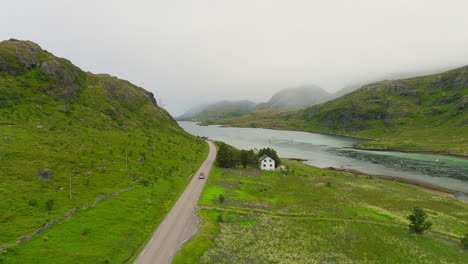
x=181 y=223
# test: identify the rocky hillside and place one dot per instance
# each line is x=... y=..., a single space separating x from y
x=438 y=99
x=58 y=124
x=421 y=113
x=219 y=110
x=297 y=98
x=59 y=78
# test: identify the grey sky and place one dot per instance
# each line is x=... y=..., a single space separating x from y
x=196 y=51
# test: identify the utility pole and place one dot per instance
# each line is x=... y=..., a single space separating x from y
x=70 y=186
x=126 y=160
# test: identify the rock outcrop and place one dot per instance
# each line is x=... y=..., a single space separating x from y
x=394 y=102
x=44 y=175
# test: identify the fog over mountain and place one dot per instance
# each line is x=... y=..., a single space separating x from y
x=194 y=52
x=297 y=98
x=219 y=109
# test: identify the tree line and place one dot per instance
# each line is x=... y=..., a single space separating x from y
x=230 y=157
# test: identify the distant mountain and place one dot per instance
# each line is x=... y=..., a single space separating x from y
x=420 y=113
x=297 y=98
x=347 y=89
x=218 y=110
x=284 y=100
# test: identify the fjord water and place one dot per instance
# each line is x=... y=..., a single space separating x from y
x=334 y=151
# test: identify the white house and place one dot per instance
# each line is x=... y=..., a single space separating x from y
x=266 y=163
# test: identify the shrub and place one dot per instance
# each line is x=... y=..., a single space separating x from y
x=49 y=204
x=419 y=222
x=220 y=219
x=221 y=198
x=145 y=182
x=86 y=232
x=33 y=202
x=464 y=241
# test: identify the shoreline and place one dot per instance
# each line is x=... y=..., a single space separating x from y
x=430 y=187
x=427 y=152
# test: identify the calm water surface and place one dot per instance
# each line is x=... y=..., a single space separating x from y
x=335 y=151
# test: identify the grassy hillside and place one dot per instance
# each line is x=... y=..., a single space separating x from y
x=91 y=129
x=421 y=113
x=312 y=215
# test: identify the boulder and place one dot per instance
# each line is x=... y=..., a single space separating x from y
x=45 y=174
x=460 y=196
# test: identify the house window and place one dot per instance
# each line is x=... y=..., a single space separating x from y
x=271 y=165
x=264 y=165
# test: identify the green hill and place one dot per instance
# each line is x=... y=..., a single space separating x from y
x=418 y=114
x=96 y=134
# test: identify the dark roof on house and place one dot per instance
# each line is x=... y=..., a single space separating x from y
x=263 y=157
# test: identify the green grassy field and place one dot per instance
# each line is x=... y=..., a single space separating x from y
x=310 y=215
x=91 y=129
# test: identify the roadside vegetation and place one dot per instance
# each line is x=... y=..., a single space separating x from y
x=311 y=215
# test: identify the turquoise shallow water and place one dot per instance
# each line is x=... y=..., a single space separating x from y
x=335 y=151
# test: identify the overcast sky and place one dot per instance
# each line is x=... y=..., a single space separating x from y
x=195 y=51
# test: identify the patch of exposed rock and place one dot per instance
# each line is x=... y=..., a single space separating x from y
x=44 y=174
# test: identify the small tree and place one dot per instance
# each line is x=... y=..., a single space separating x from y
x=223 y=156
x=49 y=204
x=419 y=222
x=244 y=158
x=221 y=198
x=464 y=241
x=220 y=219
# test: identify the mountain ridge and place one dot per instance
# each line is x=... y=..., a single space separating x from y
x=423 y=113
x=284 y=100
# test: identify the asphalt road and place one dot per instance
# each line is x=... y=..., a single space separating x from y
x=181 y=223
